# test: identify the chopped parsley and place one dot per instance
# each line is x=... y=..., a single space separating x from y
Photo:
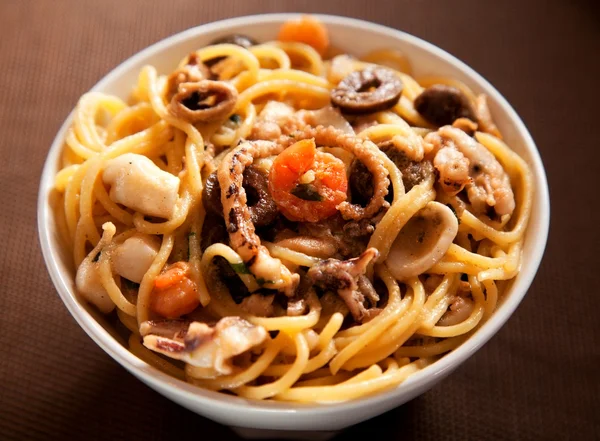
x=262 y=281
x=235 y=118
x=307 y=192
x=240 y=268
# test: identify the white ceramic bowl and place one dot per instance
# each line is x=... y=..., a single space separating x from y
x=356 y=37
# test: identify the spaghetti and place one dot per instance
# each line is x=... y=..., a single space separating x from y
x=288 y=224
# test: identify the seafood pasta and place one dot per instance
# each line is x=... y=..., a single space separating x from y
x=279 y=220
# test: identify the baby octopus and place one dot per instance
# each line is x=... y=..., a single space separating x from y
x=330 y=137
x=464 y=163
x=347 y=278
x=242 y=235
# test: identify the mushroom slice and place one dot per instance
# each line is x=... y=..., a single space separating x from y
x=208 y=348
x=442 y=105
x=422 y=241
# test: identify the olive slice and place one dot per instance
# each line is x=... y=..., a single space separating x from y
x=367 y=91
x=261 y=205
x=237 y=39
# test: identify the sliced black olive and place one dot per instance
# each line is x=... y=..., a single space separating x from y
x=263 y=210
x=237 y=39
x=442 y=105
x=368 y=90
x=211 y=195
x=213 y=231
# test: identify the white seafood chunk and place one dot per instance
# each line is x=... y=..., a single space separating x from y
x=133 y=257
x=136 y=182
x=208 y=350
x=90 y=287
x=326 y=116
x=276 y=111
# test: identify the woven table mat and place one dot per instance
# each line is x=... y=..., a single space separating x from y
x=538 y=378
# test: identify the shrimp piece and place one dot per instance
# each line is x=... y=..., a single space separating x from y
x=174 y=293
x=306 y=30
x=307 y=185
x=453 y=168
x=238 y=219
x=488 y=185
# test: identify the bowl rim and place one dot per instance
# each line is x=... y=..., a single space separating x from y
x=219 y=401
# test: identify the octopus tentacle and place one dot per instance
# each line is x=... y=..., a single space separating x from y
x=328 y=136
x=242 y=235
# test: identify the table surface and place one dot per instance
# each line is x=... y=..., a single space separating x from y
x=538 y=378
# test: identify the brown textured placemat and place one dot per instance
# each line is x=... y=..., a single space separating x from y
x=537 y=379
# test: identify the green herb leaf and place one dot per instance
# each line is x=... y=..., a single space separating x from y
x=235 y=118
x=240 y=268
x=307 y=192
x=451 y=207
x=262 y=281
